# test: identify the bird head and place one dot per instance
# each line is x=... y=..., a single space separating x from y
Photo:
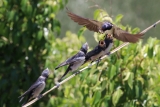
x=106 y=26
x=85 y=47
x=102 y=44
x=45 y=73
x=108 y=37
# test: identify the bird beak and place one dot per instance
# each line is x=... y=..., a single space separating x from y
x=85 y=46
x=102 y=44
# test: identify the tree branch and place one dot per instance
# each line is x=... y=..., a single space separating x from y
x=73 y=75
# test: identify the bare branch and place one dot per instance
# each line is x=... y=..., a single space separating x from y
x=73 y=75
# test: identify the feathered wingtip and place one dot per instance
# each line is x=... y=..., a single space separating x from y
x=67 y=9
x=21 y=98
x=56 y=68
x=62 y=64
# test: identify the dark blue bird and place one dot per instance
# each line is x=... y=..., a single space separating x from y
x=103 y=48
x=75 y=61
x=96 y=53
x=35 y=89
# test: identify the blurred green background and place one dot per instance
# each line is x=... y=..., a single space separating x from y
x=38 y=34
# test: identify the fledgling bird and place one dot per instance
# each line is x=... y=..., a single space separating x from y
x=96 y=53
x=35 y=89
x=109 y=44
x=75 y=61
x=105 y=26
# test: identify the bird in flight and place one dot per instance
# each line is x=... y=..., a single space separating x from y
x=102 y=27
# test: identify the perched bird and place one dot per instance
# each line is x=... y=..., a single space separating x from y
x=96 y=53
x=75 y=61
x=109 y=43
x=105 y=26
x=35 y=90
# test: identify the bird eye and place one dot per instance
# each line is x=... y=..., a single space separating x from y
x=101 y=42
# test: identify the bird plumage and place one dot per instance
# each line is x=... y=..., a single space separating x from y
x=36 y=88
x=75 y=61
x=96 y=53
x=107 y=27
x=109 y=43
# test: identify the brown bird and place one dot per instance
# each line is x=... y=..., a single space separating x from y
x=105 y=26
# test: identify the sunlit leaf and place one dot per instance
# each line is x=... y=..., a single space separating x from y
x=81 y=31
x=116 y=96
x=150 y=52
x=112 y=71
x=118 y=18
x=130 y=80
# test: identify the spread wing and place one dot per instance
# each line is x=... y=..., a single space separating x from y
x=76 y=58
x=32 y=88
x=92 y=25
x=125 y=36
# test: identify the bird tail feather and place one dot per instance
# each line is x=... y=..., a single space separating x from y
x=68 y=69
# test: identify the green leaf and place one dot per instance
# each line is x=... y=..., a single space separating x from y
x=97 y=96
x=81 y=31
x=135 y=30
x=40 y=35
x=104 y=83
x=118 y=18
x=127 y=74
x=112 y=72
x=150 y=52
x=130 y=80
x=96 y=14
x=138 y=89
x=116 y=96
x=11 y=15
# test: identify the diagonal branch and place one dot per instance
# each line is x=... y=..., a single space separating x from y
x=73 y=75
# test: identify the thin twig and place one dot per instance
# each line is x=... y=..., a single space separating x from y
x=73 y=75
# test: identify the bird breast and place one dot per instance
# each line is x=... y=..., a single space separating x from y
x=108 y=48
x=77 y=64
x=39 y=89
x=93 y=58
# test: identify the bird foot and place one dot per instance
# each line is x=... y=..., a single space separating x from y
x=78 y=72
x=57 y=85
x=154 y=25
x=40 y=96
x=89 y=65
x=98 y=60
x=108 y=54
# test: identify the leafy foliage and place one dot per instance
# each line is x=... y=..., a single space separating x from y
x=26 y=29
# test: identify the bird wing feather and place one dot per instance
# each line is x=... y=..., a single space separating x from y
x=76 y=58
x=125 y=36
x=93 y=52
x=35 y=85
x=90 y=24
